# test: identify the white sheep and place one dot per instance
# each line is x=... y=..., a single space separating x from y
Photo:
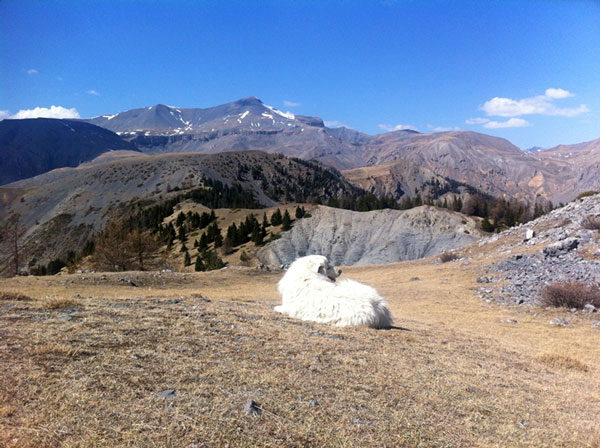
x=310 y=292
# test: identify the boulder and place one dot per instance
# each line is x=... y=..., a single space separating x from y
x=561 y=247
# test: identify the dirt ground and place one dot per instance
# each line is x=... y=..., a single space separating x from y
x=170 y=359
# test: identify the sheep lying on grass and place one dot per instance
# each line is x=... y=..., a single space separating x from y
x=310 y=292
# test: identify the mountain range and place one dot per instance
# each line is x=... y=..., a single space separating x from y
x=397 y=163
x=492 y=165
x=66 y=178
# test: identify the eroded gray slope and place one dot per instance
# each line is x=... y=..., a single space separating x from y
x=381 y=236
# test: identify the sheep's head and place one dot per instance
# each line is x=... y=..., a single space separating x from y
x=328 y=270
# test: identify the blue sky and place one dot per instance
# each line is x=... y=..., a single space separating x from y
x=528 y=71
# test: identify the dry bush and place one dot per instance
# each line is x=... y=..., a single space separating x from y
x=56 y=303
x=591 y=223
x=448 y=256
x=16 y=296
x=570 y=295
x=562 y=362
x=586 y=194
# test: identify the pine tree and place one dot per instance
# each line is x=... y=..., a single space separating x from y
x=486 y=225
x=286 y=222
x=187 y=259
x=218 y=239
x=257 y=236
x=212 y=261
x=199 y=266
x=204 y=220
x=212 y=232
x=227 y=247
x=276 y=218
x=233 y=235
x=459 y=205
x=265 y=222
x=300 y=212
x=180 y=219
x=203 y=243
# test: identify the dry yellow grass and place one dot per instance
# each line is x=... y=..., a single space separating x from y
x=55 y=303
x=452 y=375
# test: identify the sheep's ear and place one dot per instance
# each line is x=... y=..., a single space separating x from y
x=322 y=270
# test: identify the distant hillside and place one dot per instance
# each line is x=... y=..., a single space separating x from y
x=30 y=147
x=63 y=208
x=581 y=164
x=402 y=180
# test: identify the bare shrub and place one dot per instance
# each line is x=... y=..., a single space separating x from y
x=16 y=296
x=591 y=223
x=586 y=194
x=563 y=362
x=448 y=256
x=56 y=303
x=570 y=295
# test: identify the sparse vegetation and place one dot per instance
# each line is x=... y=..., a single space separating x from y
x=562 y=362
x=570 y=295
x=119 y=249
x=448 y=256
x=55 y=303
x=14 y=296
x=11 y=234
x=586 y=194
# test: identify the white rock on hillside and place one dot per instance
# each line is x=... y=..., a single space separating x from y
x=381 y=236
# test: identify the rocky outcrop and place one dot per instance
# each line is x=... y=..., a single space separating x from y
x=381 y=236
x=567 y=251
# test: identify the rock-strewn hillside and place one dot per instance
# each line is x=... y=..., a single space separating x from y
x=382 y=236
x=557 y=247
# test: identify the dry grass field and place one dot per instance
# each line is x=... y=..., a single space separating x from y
x=90 y=360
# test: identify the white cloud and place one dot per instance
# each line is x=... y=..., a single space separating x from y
x=92 y=92
x=52 y=112
x=535 y=105
x=336 y=124
x=287 y=103
x=4 y=114
x=397 y=127
x=510 y=123
x=558 y=94
x=32 y=71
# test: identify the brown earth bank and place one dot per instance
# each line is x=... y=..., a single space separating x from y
x=92 y=360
